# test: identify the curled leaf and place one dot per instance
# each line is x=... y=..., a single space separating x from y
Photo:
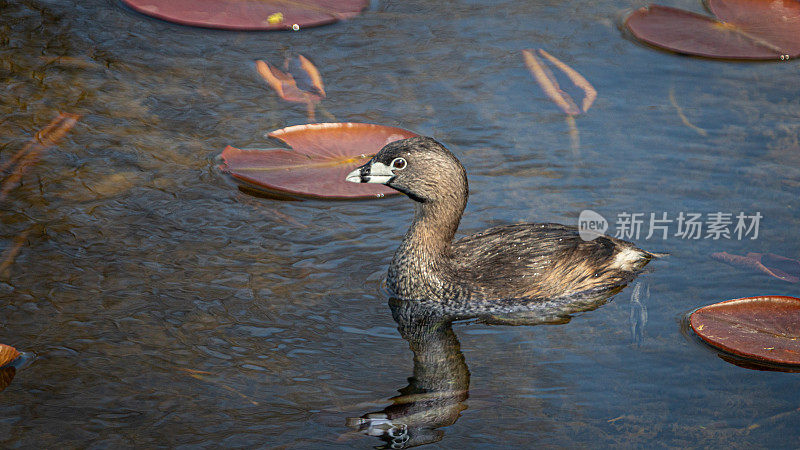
x=7 y=354
x=300 y=83
x=285 y=85
x=310 y=70
x=6 y=375
x=780 y=267
x=577 y=79
x=550 y=86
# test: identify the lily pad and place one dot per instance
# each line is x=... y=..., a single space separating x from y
x=759 y=328
x=746 y=29
x=322 y=155
x=7 y=354
x=248 y=14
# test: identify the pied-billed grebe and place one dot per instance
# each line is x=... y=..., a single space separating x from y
x=522 y=261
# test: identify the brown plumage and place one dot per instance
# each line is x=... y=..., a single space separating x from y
x=523 y=261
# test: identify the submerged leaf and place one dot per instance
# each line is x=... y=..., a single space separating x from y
x=306 y=75
x=761 y=328
x=321 y=156
x=18 y=164
x=550 y=86
x=301 y=83
x=7 y=354
x=577 y=79
x=285 y=84
x=780 y=267
x=250 y=15
x=747 y=29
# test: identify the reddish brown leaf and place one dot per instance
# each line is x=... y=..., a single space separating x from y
x=6 y=375
x=761 y=328
x=749 y=29
x=780 y=267
x=773 y=23
x=322 y=155
x=7 y=354
x=250 y=15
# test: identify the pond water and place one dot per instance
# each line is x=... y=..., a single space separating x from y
x=160 y=306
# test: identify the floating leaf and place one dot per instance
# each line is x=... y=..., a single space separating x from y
x=250 y=15
x=7 y=354
x=780 y=267
x=746 y=29
x=761 y=328
x=322 y=155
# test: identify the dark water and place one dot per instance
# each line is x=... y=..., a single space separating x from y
x=165 y=308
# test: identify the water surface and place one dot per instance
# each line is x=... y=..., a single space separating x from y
x=167 y=308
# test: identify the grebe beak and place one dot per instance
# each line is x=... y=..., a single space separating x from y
x=371 y=172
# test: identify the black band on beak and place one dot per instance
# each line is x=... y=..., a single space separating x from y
x=364 y=172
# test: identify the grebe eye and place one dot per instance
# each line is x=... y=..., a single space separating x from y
x=398 y=163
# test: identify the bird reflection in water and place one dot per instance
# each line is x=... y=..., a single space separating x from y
x=439 y=386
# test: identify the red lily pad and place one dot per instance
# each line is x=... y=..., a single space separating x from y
x=7 y=354
x=780 y=267
x=248 y=14
x=760 y=328
x=746 y=29
x=322 y=155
